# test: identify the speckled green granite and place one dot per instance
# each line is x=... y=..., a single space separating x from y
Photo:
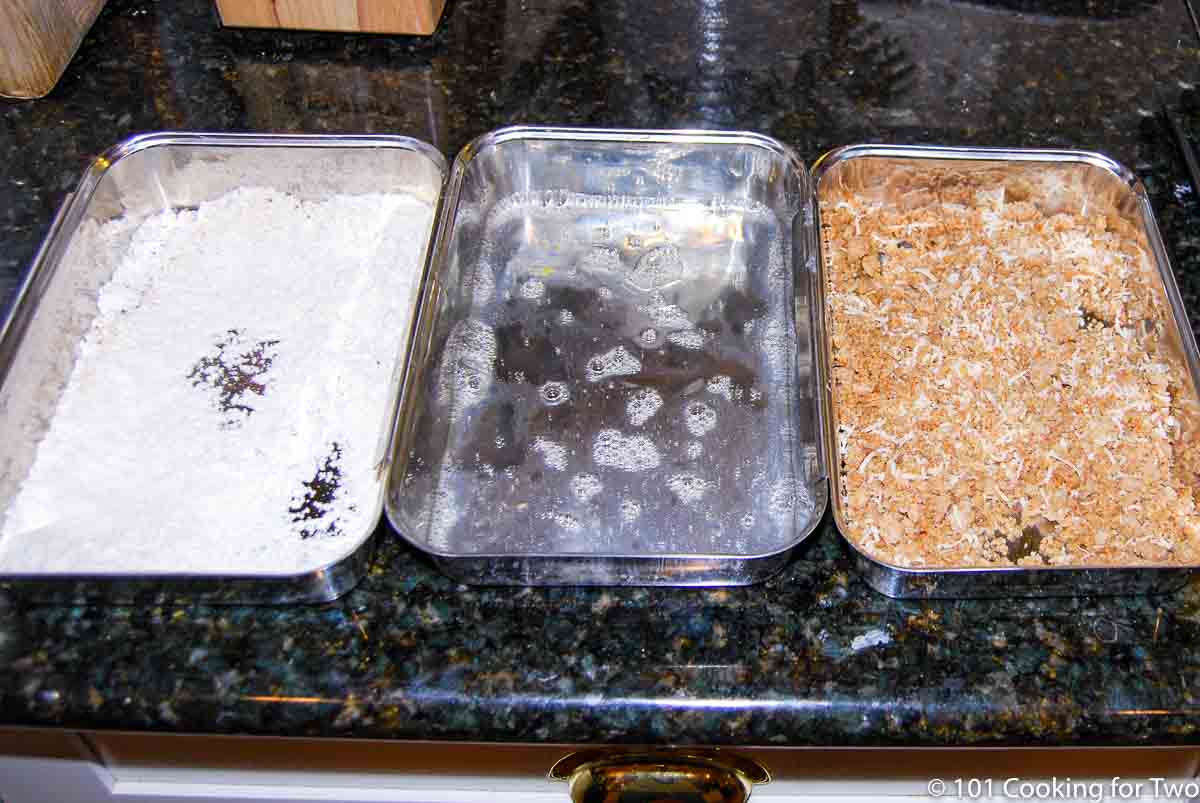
x=812 y=656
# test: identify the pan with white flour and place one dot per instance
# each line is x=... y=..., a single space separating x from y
x=226 y=406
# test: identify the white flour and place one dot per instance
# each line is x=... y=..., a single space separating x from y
x=228 y=406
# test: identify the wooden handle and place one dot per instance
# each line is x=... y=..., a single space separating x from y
x=37 y=40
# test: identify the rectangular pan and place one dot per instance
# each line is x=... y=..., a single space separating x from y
x=612 y=380
x=56 y=304
x=874 y=171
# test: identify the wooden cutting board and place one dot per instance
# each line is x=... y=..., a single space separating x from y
x=37 y=40
x=363 y=16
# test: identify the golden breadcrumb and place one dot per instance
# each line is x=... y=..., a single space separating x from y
x=1006 y=387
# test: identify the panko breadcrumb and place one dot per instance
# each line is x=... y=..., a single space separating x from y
x=1005 y=387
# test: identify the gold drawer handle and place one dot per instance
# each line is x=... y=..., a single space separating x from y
x=664 y=776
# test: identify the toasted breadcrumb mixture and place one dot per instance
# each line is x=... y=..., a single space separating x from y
x=1005 y=387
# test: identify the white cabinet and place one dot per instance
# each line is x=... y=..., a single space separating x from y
x=64 y=767
x=48 y=767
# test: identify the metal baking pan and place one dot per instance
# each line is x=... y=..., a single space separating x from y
x=56 y=304
x=611 y=379
x=866 y=169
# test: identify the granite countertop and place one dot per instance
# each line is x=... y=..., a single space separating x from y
x=811 y=657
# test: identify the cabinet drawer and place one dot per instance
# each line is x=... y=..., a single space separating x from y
x=39 y=766
x=429 y=772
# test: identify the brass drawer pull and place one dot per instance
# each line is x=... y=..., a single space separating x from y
x=662 y=776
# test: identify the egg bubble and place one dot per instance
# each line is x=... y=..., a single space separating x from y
x=699 y=418
x=616 y=450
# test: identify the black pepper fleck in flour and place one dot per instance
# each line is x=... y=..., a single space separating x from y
x=234 y=375
x=319 y=494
